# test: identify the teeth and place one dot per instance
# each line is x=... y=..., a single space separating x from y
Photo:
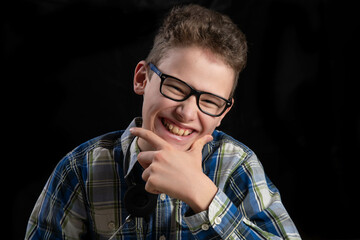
x=176 y=130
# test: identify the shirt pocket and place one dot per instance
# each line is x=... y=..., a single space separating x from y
x=106 y=224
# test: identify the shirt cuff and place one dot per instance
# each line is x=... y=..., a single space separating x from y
x=220 y=219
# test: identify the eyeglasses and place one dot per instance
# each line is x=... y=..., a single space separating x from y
x=178 y=90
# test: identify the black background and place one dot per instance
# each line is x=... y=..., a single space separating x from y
x=67 y=77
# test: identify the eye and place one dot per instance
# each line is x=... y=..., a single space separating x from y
x=210 y=101
x=173 y=87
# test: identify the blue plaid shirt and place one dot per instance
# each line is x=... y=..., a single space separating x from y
x=83 y=198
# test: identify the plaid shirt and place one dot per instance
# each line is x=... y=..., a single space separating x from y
x=83 y=198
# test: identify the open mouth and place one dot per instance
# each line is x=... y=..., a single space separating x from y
x=176 y=130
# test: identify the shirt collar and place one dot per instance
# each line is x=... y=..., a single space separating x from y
x=129 y=143
x=134 y=151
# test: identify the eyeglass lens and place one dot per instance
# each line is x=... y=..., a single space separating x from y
x=178 y=90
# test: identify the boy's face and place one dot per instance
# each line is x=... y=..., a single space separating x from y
x=200 y=69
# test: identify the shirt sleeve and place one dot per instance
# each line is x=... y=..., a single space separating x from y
x=59 y=212
x=249 y=207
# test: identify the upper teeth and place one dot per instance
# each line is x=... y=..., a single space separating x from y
x=176 y=130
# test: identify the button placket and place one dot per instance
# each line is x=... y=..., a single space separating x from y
x=162 y=196
x=205 y=227
x=217 y=220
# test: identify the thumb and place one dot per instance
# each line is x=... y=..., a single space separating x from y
x=199 y=144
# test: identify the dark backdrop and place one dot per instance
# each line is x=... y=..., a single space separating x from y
x=68 y=77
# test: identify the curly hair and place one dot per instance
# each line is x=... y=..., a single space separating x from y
x=193 y=25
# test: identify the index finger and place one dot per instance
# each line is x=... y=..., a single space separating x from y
x=156 y=141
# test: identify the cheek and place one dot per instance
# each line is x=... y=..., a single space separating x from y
x=154 y=103
x=208 y=124
x=152 y=97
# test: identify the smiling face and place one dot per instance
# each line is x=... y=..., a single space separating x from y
x=182 y=123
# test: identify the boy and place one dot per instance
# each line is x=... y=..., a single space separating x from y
x=209 y=185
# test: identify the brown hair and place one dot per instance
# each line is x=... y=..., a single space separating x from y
x=193 y=25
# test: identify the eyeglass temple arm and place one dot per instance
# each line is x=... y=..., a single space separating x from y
x=157 y=71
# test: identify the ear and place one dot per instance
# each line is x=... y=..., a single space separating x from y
x=224 y=114
x=140 y=78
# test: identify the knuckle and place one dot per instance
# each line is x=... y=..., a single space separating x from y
x=148 y=187
x=158 y=156
x=147 y=134
x=144 y=177
x=153 y=168
x=151 y=182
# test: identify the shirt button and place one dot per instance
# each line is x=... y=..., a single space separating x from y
x=205 y=227
x=111 y=225
x=162 y=237
x=217 y=220
x=163 y=197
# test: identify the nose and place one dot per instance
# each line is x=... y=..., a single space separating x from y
x=186 y=111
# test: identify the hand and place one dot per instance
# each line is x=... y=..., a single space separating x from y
x=176 y=173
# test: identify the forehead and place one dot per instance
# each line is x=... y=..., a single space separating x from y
x=200 y=68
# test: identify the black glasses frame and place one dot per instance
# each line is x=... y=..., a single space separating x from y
x=193 y=91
